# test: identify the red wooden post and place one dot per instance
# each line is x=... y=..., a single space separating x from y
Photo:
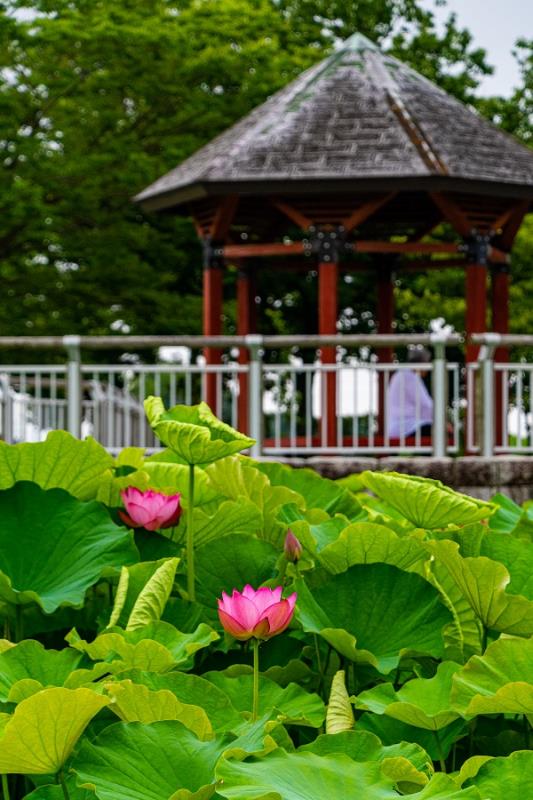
x=500 y=324
x=476 y=322
x=385 y=318
x=328 y=271
x=246 y=323
x=212 y=322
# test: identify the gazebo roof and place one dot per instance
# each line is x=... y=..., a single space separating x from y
x=357 y=116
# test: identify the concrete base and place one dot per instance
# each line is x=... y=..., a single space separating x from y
x=473 y=475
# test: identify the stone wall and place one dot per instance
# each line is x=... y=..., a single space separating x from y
x=476 y=476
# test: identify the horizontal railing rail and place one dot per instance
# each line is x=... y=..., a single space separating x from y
x=281 y=389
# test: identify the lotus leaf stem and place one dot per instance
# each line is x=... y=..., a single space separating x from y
x=5 y=787
x=255 y=701
x=61 y=779
x=442 y=761
x=19 y=625
x=190 y=538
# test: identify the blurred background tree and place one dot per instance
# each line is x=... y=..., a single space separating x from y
x=100 y=97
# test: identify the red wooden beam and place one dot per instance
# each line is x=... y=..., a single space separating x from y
x=510 y=229
x=452 y=213
x=500 y=324
x=218 y=230
x=293 y=214
x=365 y=211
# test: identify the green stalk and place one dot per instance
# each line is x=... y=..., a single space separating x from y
x=442 y=762
x=61 y=779
x=190 y=537
x=5 y=787
x=19 y=626
x=255 y=704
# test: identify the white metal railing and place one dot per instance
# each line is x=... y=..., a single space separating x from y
x=295 y=405
x=501 y=392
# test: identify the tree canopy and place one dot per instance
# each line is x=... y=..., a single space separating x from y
x=100 y=97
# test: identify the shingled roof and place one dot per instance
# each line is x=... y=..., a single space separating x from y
x=358 y=116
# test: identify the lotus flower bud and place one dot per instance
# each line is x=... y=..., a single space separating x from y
x=292 y=547
x=255 y=614
x=151 y=510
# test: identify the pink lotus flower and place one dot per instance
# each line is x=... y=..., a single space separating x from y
x=292 y=547
x=151 y=510
x=255 y=614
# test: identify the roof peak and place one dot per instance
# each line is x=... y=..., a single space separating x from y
x=357 y=42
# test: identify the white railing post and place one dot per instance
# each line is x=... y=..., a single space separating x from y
x=72 y=346
x=254 y=343
x=7 y=418
x=486 y=359
x=439 y=387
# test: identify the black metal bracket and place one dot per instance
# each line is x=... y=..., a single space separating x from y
x=326 y=245
x=213 y=253
x=477 y=247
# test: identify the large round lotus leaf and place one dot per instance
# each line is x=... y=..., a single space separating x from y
x=365 y=746
x=157 y=647
x=483 y=583
x=30 y=661
x=424 y=703
x=60 y=462
x=133 y=702
x=132 y=761
x=498 y=682
x=375 y=614
x=230 y=563
x=193 y=690
x=392 y=731
x=510 y=778
x=301 y=776
x=425 y=502
x=296 y=706
x=517 y=557
x=54 y=547
x=193 y=432
x=368 y=543
x=44 y=729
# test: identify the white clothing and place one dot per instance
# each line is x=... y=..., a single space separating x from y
x=409 y=404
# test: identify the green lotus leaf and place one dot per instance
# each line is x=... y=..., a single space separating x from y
x=193 y=690
x=29 y=660
x=154 y=473
x=510 y=777
x=153 y=597
x=60 y=462
x=498 y=682
x=517 y=557
x=424 y=502
x=423 y=703
x=300 y=776
x=138 y=579
x=375 y=614
x=294 y=704
x=512 y=518
x=318 y=530
x=230 y=563
x=318 y=492
x=157 y=647
x=137 y=703
x=134 y=761
x=339 y=715
x=362 y=745
x=471 y=767
x=393 y=732
x=23 y=689
x=230 y=518
x=367 y=543
x=193 y=432
x=54 y=791
x=462 y=636
x=483 y=582
x=44 y=729
x=53 y=547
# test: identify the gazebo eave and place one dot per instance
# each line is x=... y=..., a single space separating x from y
x=174 y=198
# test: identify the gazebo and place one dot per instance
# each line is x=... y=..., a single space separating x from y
x=359 y=155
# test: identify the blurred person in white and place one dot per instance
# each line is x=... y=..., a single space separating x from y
x=409 y=403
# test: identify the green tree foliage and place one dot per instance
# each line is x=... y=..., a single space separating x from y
x=100 y=97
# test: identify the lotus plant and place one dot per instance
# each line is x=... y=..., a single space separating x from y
x=257 y=615
x=292 y=547
x=150 y=509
